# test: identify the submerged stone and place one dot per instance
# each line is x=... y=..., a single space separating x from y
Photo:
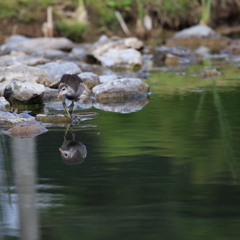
x=26 y=131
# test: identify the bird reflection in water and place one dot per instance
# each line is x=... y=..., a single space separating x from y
x=72 y=152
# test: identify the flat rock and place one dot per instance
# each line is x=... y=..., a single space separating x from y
x=49 y=53
x=90 y=79
x=122 y=58
x=114 y=44
x=24 y=73
x=124 y=88
x=25 y=131
x=29 y=45
x=55 y=70
x=7 y=118
x=123 y=107
x=18 y=58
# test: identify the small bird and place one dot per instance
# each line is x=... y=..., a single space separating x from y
x=71 y=87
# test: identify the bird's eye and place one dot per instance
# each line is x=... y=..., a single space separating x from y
x=64 y=89
x=65 y=154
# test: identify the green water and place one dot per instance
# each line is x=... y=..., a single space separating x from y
x=168 y=171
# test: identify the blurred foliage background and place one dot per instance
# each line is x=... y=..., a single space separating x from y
x=27 y=16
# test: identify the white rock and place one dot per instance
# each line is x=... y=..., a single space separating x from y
x=121 y=58
x=198 y=31
x=122 y=88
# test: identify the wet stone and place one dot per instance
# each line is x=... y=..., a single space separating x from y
x=55 y=118
x=26 y=131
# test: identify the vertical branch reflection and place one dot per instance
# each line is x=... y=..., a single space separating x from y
x=225 y=131
x=24 y=165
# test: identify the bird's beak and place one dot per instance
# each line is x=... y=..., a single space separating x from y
x=60 y=94
x=61 y=150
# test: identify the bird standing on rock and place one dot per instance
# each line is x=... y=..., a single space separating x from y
x=71 y=87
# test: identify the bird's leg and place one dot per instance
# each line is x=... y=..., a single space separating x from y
x=71 y=108
x=65 y=107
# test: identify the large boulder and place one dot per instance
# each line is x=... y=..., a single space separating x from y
x=124 y=88
x=55 y=70
x=89 y=79
x=18 y=92
x=122 y=58
x=24 y=73
x=114 y=44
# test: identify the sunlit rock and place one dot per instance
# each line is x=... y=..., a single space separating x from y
x=108 y=78
x=90 y=79
x=122 y=58
x=3 y=104
x=209 y=73
x=122 y=89
x=18 y=58
x=198 y=35
x=18 y=92
x=26 y=131
x=55 y=70
x=114 y=44
x=23 y=73
x=127 y=106
x=7 y=118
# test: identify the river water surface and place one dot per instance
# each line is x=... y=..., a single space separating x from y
x=168 y=171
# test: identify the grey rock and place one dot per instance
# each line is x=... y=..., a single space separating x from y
x=114 y=44
x=11 y=43
x=89 y=79
x=14 y=118
x=24 y=92
x=108 y=78
x=124 y=88
x=49 y=53
x=50 y=94
x=24 y=73
x=78 y=53
x=123 y=107
x=44 y=43
x=197 y=31
x=55 y=70
x=121 y=58
x=18 y=58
